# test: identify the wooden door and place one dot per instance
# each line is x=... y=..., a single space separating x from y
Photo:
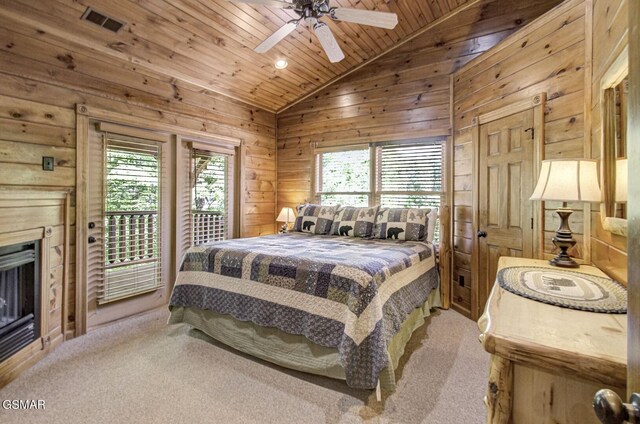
x=506 y=181
x=128 y=236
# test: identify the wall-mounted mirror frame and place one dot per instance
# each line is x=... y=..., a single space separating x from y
x=613 y=146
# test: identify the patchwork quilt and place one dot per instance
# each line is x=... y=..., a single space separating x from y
x=336 y=291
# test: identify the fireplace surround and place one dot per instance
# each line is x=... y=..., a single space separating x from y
x=35 y=230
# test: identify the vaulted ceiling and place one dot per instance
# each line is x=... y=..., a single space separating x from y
x=209 y=43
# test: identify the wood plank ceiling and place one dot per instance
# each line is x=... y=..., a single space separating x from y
x=209 y=43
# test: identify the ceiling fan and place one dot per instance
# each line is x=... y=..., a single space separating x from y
x=311 y=11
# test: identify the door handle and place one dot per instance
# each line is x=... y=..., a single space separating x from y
x=482 y=233
x=611 y=410
x=92 y=239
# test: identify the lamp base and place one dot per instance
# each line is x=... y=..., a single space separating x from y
x=564 y=241
x=564 y=262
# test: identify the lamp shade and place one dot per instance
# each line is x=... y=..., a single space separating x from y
x=568 y=180
x=621 y=180
x=286 y=215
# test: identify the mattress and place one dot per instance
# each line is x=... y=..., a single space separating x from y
x=350 y=295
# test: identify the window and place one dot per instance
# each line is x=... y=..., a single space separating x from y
x=409 y=175
x=210 y=197
x=389 y=174
x=206 y=176
x=344 y=177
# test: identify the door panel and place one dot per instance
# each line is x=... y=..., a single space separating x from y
x=127 y=245
x=505 y=180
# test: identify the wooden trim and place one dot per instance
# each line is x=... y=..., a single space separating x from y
x=314 y=172
x=318 y=150
x=133 y=132
x=276 y=204
x=211 y=144
x=21 y=236
x=538 y=156
x=65 y=276
x=122 y=118
x=633 y=131
x=395 y=46
x=45 y=254
x=212 y=147
x=374 y=194
x=446 y=212
x=475 y=219
x=82 y=163
x=240 y=160
x=614 y=75
x=511 y=109
x=170 y=190
x=588 y=76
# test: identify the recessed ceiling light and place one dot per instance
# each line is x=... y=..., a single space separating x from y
x=281 y=63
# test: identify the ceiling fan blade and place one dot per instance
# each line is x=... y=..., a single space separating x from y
x=365 y=17
x=281 y=4
x=328 y=41
x=275 y=38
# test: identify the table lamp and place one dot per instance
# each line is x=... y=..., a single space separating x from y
x=567 y=180
x=286 y=215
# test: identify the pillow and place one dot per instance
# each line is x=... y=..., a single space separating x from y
x=354 y=222
x=401 y=224
x=431 y=224
x=315 y=219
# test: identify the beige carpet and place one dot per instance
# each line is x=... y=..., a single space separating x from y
x=143 y=371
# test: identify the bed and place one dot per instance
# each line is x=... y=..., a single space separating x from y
x=342 y=307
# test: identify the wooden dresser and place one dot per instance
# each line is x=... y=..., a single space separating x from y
x=547 y=362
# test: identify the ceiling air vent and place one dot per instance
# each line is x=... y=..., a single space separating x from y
x=102 y=20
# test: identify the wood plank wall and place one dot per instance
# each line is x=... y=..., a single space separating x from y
x=43 y=78
x=610 y=29
x=403 y=95
x=546 y=57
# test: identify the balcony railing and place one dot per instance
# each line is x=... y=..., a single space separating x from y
x=130 y=238
x=208 y=226
x=130 y=235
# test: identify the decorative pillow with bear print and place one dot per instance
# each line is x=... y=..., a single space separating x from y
x=401 y=224
x=315 y=219
x=354 y=222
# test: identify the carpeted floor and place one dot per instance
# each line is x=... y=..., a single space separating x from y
x=143 y=371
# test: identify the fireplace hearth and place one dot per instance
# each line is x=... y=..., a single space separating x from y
x=19 y=297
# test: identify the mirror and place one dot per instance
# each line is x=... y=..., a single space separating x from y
x=614 y=96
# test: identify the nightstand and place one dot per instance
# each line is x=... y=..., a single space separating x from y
x=547 y=362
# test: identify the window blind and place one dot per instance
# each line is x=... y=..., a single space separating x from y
x=409 y=175
x=132 y=219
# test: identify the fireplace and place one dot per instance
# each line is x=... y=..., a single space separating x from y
x=19 y=297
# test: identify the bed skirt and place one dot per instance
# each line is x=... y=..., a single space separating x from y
x=295 y=351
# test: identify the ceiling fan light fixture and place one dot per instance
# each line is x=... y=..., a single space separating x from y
x=281 y=64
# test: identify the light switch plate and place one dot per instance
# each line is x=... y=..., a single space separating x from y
x=47 y=163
